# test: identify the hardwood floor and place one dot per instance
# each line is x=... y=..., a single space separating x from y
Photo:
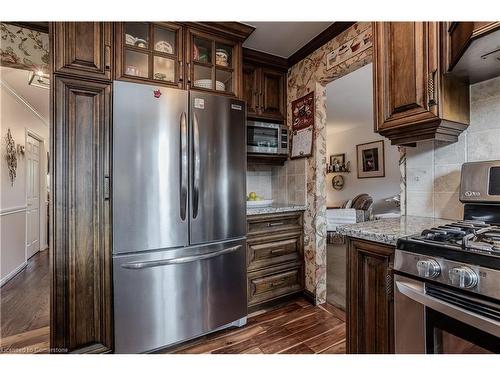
x=24 y=308
x=295 y=328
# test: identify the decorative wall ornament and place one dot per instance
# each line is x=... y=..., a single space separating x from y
x=11 y=157
x=338 y=182
x=302 y=126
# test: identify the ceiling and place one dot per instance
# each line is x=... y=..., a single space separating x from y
x=283 y=38
x=349 y=101
x=36 y=97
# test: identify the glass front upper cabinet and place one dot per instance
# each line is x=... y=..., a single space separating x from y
x=152 y=52
x=212 y=63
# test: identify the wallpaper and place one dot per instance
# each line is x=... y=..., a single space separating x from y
x=311 y=74
x=24 y=48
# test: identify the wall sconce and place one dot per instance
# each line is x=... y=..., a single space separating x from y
x=20 y=149
x=11 y=157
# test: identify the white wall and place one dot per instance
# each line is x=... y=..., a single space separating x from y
x=349 y=123
x=433 y=167
x=17 y=115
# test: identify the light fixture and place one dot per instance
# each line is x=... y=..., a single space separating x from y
x=39 y=79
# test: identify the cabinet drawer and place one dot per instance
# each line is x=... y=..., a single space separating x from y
x=273 y=283
x=263 y=253
x=264 y=224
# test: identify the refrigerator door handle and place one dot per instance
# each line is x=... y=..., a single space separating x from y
x=188 y=259
x=183 y=166
x=196 y=169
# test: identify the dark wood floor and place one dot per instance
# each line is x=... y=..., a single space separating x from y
x=295 y=328
x=24 y=308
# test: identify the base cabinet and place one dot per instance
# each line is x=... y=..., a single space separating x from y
x=370 y=316
x=275 y=260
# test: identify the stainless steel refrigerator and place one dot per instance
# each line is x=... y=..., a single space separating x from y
x=179 y=219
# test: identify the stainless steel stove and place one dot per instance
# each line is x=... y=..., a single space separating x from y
x=447 y=279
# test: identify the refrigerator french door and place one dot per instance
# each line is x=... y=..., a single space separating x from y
x=179 y=219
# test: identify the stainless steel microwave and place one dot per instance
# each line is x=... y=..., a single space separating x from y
x=267 y=138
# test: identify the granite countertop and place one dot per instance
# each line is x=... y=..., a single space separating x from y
x=388 y=231
x=274 y=209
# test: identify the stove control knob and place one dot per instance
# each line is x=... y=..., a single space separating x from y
x=463 y=277
x=428 y=268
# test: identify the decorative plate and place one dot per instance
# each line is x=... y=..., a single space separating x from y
x=163 y=46
x=338 y=182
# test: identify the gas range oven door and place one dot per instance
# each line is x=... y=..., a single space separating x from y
x=437 y=320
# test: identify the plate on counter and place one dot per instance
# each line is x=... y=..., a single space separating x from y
x=261 y=203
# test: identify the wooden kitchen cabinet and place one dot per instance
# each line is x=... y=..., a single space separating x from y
x=473 y=50
x=251 y=89
x=83 y=49
x=213 y=63
x=414 y=98
x=370 y=315
x=81 y=300
x=264 y=85
x=203 y=56
x=275 y=258
x=150 y=52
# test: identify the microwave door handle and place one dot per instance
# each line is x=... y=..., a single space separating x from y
x=196 y=162
x=183 y=166
x=416 y=293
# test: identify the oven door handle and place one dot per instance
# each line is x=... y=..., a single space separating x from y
x=415 y=292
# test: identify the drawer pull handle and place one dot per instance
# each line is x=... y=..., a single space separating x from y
x=277 y=251
x=277 y=283
x=277 y=224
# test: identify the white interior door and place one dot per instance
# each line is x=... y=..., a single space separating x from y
x=33 y=196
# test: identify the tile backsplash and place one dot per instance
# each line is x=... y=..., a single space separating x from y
x=433 y=167
x=259 y=181
x=284 y=184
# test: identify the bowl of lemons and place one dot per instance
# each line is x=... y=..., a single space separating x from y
x=253 y=200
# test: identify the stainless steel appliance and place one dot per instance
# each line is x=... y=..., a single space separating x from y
x=447 y=282
x=267 y=138
x=179 y=216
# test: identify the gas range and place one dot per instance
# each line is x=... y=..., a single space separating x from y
x=447 y=278
x=464 y=254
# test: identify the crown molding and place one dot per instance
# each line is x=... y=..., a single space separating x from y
x=23 y=101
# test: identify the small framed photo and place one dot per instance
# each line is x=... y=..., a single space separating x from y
x=370 y=158
x=337 y=159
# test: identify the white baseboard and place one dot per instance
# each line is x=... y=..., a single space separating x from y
x=13 y=273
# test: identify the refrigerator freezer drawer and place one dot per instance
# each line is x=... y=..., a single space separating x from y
x=165 y=297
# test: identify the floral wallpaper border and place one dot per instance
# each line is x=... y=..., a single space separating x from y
x=24 y=48
x=311 y=74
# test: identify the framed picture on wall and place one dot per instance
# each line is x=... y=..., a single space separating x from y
x=370 y=158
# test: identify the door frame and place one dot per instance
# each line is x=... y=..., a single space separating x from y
x=31 y=133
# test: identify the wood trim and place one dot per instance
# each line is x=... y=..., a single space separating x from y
x=235 y=30
x=325 y=36
x=259 y=58
x=309 y=297
x=42 y=27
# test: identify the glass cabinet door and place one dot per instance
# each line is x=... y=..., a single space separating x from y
x=152 y=52
x=212 y=64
